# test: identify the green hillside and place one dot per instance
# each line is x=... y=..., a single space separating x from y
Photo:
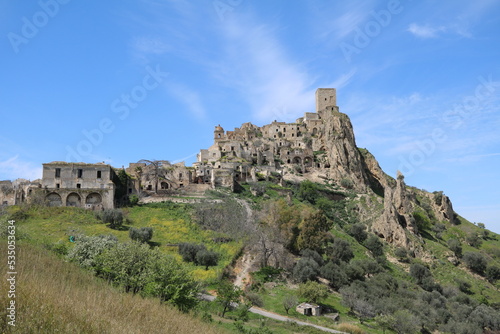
x=298 y=233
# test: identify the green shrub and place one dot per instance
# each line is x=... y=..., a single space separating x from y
x=133 y=200
x=358 y=232
x=111 y=217
x=305 y=269
x=143 y=234
x=374 y=245
x=475 y=262
x=87 y=249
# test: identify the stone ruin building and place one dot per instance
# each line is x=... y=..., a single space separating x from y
x=245 y=154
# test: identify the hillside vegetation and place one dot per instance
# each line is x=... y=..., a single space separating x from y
x=308 y=242
x=58 y=297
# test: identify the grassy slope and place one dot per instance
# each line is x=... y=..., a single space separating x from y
x=171 y=225
x=57 y=297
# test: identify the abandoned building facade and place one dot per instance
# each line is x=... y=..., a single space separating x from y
x=245 y=154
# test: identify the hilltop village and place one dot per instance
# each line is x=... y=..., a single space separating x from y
x=245 y=154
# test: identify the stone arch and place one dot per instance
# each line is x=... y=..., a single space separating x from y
x=308 y=161
x=297 y=160
x=164 y=185
x=93 y=198
x=54 y=199
x=73 y=199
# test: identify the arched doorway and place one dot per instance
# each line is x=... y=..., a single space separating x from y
x=74 y=199
x=93 y=199
x=53 y=199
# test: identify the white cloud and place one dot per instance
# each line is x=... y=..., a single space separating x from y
x=189 y=98
x=425 y=31
x=14 y=168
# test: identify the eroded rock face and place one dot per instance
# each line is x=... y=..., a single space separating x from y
x=390 y=224
x=443 y=209
x=342 y=153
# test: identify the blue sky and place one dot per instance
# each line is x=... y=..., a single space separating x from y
x=120 y=81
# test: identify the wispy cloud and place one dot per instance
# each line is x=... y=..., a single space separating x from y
x=473 y=157
x=425 y=31
x=187 y=96
x=150 y=45
x=14 y=168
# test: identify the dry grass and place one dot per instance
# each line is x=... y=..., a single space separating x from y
x=350 y=328
x=57 y=297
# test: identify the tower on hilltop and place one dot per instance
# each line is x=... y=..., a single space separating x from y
x=325 y=97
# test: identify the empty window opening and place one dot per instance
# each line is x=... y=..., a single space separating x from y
x=78 y=185
x=150 y=187
x=58 y=172
x=180 y=176
x=129 y=190
x=58 y=185
x=232 y=148
x=99 y=174
x=80 y=173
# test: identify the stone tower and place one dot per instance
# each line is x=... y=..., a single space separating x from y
x=325 y=97
x=218 y=133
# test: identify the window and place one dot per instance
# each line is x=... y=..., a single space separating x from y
x=58 y=185
x=58 y=172
x=99 y=174
x=78 y=185
x=129 y=190
x=80 y=173
x=180 y=176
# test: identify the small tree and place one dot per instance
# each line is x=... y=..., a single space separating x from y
x=340 y=251
x=206 y=258
x=111 y=217
x=289 y=302
x=385 y=321
x=374 y=245
x=188 y=251
x=405 y=322
x=493 y=273
x=305 y=269
x=475 y=262
x=335 y=275
x=144 y=234
x=227 y=294
x=358 y=232
x=455 y=247
x=419 y=272
x=313 y=291
x=474 y=240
